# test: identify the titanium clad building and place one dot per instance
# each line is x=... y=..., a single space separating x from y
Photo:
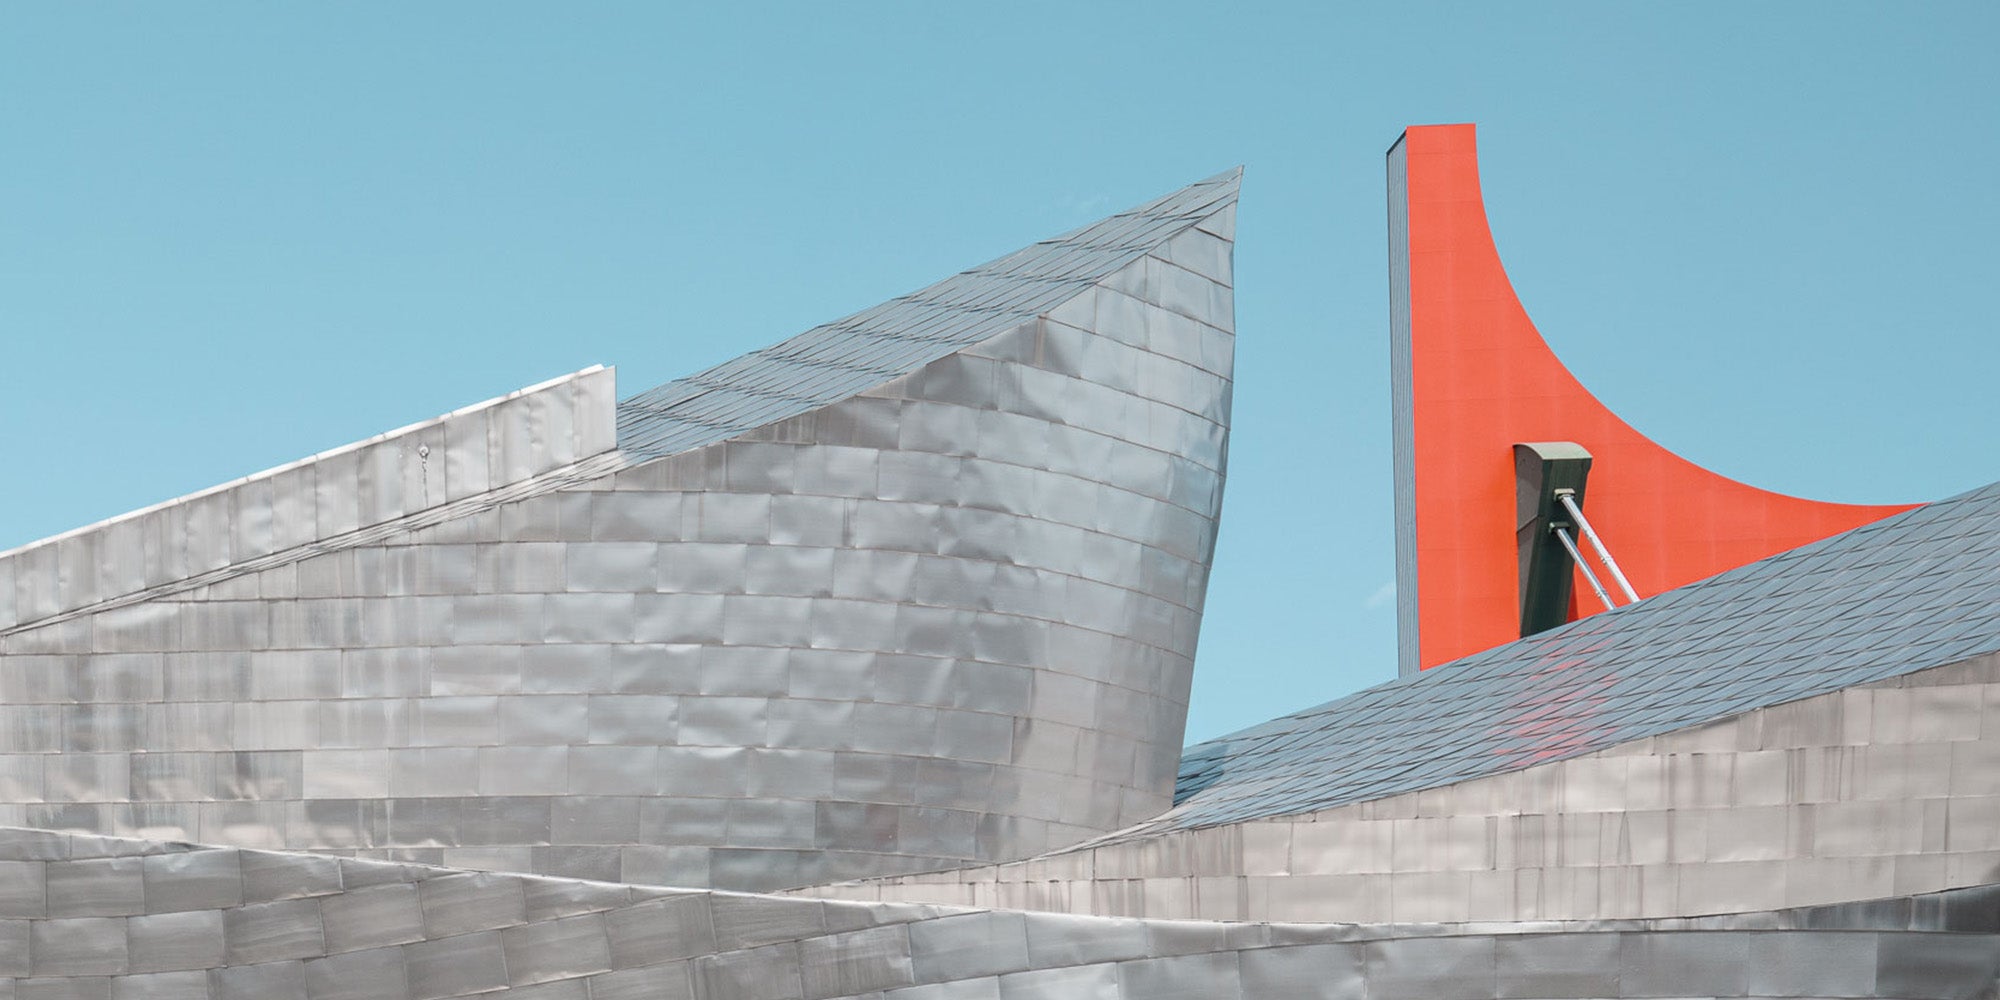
x=858 y=668
x=913 y=589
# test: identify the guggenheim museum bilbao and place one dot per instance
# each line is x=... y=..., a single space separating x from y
x=858 y=667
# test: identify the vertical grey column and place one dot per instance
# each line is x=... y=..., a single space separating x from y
x=1401 y=415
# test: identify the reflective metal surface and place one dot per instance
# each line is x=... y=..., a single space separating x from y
x=1881 y=790
x=914 y=589
x=534 y=439
x=210 y=928
x=1908 y=593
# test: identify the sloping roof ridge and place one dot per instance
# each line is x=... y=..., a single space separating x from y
x=868 y=348
x=1741 y=575
x=1865 y=605
x=578 y=472
x=315 y=504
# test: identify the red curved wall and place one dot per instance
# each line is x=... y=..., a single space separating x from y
x=1482 y=379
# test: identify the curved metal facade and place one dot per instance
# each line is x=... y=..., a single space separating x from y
x=912 y=590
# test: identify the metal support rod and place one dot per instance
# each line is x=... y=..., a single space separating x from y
x=1569 y=503
x=1577 y=558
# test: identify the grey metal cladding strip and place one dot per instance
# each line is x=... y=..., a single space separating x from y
x=1900 y=595
x=230 y=923
x=839 y=359
x=594 y=467
x=316 y=503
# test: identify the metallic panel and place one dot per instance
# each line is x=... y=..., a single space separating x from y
x=270 y=981
x=358 y=975
x=169 y=942
x=456 y=966
x=568 y=947
x=372 y=917
x=96 y=887
x=270 y=932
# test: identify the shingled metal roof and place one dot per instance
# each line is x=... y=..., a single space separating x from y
x=832 y=362
x=1918 y=590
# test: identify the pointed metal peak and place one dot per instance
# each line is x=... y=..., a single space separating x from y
x=849 y=356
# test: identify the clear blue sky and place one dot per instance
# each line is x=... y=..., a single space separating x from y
x=232 y=235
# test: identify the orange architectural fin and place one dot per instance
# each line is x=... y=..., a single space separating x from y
x=1471 y=379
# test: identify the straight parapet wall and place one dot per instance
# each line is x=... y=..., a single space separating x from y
x=291 y=510
x=1884 y=790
